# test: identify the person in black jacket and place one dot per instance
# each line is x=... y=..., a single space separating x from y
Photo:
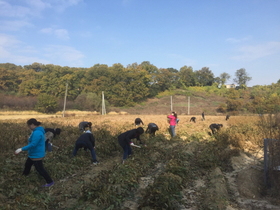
x=125 y=140
x=138 y=121
x=193 y=119
x=215 y=127
x=151 y=129
x=50 y=133
x=86 y=141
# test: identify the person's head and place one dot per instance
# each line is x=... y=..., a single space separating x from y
x=57 y=131
x=33 y=123
x=140 y=130
x=174 y=114
x=87 y=126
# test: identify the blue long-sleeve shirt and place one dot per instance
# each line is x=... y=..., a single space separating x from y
x=36 y=143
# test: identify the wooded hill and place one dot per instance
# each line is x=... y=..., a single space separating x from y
x=43 y=87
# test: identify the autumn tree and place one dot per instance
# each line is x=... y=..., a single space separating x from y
x=241 y=77
x=204 y=77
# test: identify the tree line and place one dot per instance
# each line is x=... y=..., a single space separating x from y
x=123 y=86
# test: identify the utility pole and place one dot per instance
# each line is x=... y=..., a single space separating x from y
x=171 y=104
x=188 y=105
x=64 y=106
x=103 y=105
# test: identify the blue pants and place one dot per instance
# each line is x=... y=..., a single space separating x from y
x=172 y=130
x=79 y=145
x=126 y=151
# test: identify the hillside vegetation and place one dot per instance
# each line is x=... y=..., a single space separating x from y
x=43 y=88
x=194 y=170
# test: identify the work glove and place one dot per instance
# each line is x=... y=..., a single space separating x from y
x=18 y=151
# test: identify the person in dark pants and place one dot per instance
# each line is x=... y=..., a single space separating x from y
x=138 y=121
x=86 y=141
x=215 y=127
x=125 y=140
x=50 y=133
x=36 y=151
x=151 y=129
x=83 y=124
x=227 y=117
x=203 y=116
x=193 y=119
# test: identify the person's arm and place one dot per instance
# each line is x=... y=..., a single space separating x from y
x=35 y=138
x=129 y=136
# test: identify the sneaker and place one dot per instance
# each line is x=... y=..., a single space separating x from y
x=95 y=163
x=48 y=185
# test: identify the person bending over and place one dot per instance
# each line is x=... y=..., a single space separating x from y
x=125 y=140
x=50 y=134
x=215 y=127
x=193 y=119
x=86 y=141
x=151 y=129
x=138 y=121
x=83 y=124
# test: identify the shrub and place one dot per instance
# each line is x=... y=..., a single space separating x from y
x=46 y=103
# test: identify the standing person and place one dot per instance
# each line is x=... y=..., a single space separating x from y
x=83 y=124
x=36 y=151
x=50 y=133
x=125 y=140
x=138 y=121
x=152 y=128
x=202 y=116
x=227 y=117
x=86 y=141
x=172 y=119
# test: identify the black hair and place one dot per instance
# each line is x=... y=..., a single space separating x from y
x=175 y=114
x=140 y=130
x=57 y=131
x=33 y=121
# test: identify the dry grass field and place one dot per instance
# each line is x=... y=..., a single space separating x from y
x=194 y=170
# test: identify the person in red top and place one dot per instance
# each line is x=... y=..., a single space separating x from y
x=172 y=119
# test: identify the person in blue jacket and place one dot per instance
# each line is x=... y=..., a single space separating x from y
x=36 y=151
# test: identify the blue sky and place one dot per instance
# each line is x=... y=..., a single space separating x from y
x=224 y=35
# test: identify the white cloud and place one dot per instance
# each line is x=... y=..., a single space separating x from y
x=63 y=4
x=252 y=52
x=59 y=33
x=8 y=10
x=64 y=55
x=11 y=50
x=235 y=40
x=14 y=25
x=39 y=5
